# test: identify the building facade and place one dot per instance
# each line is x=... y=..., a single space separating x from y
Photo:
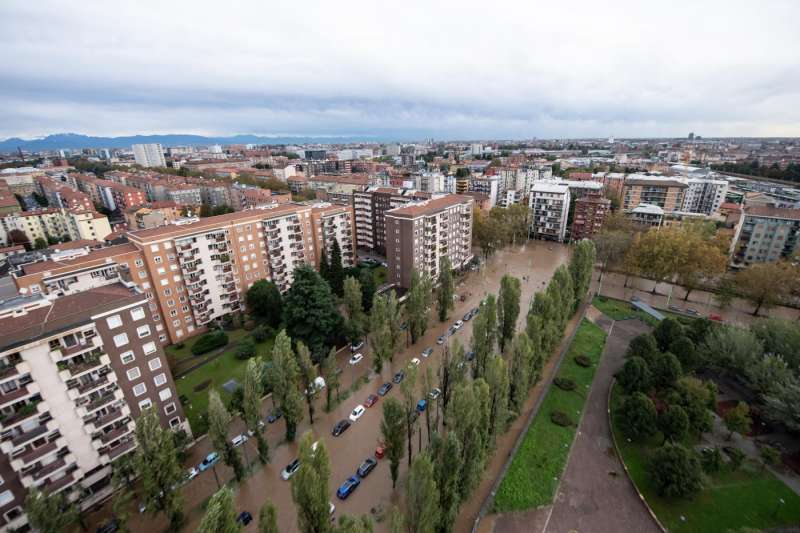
x=549 y=204
x=766 y=234
x=149 y=155
x=370 y=206
x=665 y=193
x=590 y=213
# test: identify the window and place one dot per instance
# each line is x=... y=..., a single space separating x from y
x=137 y=313
x=167 y=292
x=162 y=338
x=154 y=364
x=127 y=357
x=114 y=322
x=134 y=373
x=171 y=303
x=160 y=379
x=149 y=348
x=164 y=282
x=165 y=394
x=145 y=404
x=6 y=497
x=170 y=408
x=157 y=259
x=174 y=422
x=120 y=340
x=153 y=247
x=173 y=313
x=139 y=263
x=162 y=271
x=143 y=331
x=185 y=308
x=139 y=389
x=142 y=274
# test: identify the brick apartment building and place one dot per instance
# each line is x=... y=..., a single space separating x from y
x=371 y=205
x=590 y=213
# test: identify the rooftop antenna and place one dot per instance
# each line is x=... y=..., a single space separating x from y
x=21 y=155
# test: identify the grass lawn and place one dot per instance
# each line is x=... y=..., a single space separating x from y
x=178 y=355
x=749 y=497
x=535 y=470
x=218 y=371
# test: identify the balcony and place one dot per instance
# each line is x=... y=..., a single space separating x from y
x=35 y=454
x=24 y=438
x=28 y=389
x=51 y=468
x=114 y=434
x=60 y=484
x=91 y=361
x=100 y=402
x=110 y=417
x=119 y=450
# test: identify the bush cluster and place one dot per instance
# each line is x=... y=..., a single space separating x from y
x=582 y=360
x=560 y=418
x=564 y=384
x=210 y=341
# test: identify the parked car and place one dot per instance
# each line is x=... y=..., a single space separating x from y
x=209 y=461
x=366 y=467
x=356 y=346
x=340 y=427
x=691 y=311
x=675 y=308
x=476 y=310
x=470 y=355
x=427 y=352
x=458 y=324
x=371 y=400
x=380 y=451
x=715 y=317
x=244 y=518
x=331 y=510
x=435 y=393
x=238 y=440
x=404 y=326
x=261 y=425
x=357 y=413
x=385 y=388
x=414 y=362
x=274 y=416
x=356 y=358
x=192 y=473
x=399 y=377
x=421 y=405
x=440 y=339
x=451 y=331
x=347 y=488
x=290 y=469
x=317 y=385
x=109 y=527
x=467 y=317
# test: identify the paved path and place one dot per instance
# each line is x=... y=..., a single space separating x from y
x=590 y=497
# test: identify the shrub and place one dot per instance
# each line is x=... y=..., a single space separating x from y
x=180 y=346
x=249 y=325
x=711 y=460
x=564 y=383
x=560 y=418
x=675 y=471
x=582 y=360
x=634 y=376
x=736 y=456
x=637 y=416
x=210 y=341
x=261 y=333
x=246 y=349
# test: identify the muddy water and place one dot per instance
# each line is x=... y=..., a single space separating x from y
x=535 y=260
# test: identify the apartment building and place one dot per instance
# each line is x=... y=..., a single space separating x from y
x=549 y=204
x=74 y=374
x=152 y=215
x=766 y=234
x=215 y=194
x=339 y=189
x=491 y=186
x=704 y=195
x=420 y=234
x=590 y=213
x=115 y=196
x=334 y=223
x=149 y=155
x=56 y=224
x=8 y=202
x=370 y=206
x=182 y=194
x=665 y=193
x=646 y=215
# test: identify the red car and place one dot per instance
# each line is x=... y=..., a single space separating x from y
x=379 y=452
x=715 y=317
x=371 y=400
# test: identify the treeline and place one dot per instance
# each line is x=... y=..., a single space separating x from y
x=753 y=168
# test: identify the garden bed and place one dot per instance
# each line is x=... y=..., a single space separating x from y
x=535 y=470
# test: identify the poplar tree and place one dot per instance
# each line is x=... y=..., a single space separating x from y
x=251 y=406
x=285 y=383
x=219 y=420
x=220 y=514
x=508 y=309
x=484 y=335
x=308 y=373
x=444 y=296
x=393 y=432
x=422 y=509
x=310 y=487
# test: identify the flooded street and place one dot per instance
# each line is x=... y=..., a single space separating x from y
x=536 y=260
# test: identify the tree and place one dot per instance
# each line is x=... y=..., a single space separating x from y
x=783 y=405
x=264 y=301
x=488 y=233
x=766 y=284
x=348 y=524
x=484 y=335
x=427 y=386
x=467 y=415
x=310 y=312
x=325 y=267
x=674 y=423
x=285 y=380
x=705 y=259
x=356 y=325
x=16 y=237
x=157 y=464
x=643 y=346
x=393 y=432
x=380 y=337
x=686 y=352
x=251 y=407
x=446 y=455
x=613 y=241
x=268 y=518
x=50 y=513
x=246 y=349
x=445 y=290
x=637 y=416
x=331 y=377
x=634 y=376
x=219 y=420
x=39 y=243
x=220 y=514
x=408 y=387
x=336 y=273
x=730 y=350
x=658 y=253
x=367 y=281
x=581 y=266
x=675 y=471
x=310 y=487
x=666 y=369
x=769 y=456
x=696 y=398
x=451 y=371
x=737 y=420
x=122 y=477
x=422 y=510
x=521 y=355
x=781 y=338
x=498 y=381
x=768 y=373
x=507 y=309
x=418 y=305
x=308 y=373
x=667 y=331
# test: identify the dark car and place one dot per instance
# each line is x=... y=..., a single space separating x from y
x=427 y=352
x=371 y=400
x=366 y=467
x=348 y=487
x=440 y=339
x=274 y=416
x=244 y=518
x=451 y=331
x=290 y=470
x=385 y=388
x=340 y=427
x=110 y=527
x=470 y=355
x=399 y=377
x=467 y=317
x=404 y=326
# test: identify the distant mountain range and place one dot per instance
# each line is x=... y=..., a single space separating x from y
x=76 y=141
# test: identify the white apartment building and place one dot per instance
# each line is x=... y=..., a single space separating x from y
x=149 y=155
x=549 y=203
x=491 y=186
x=704 y=195
x=56 y=223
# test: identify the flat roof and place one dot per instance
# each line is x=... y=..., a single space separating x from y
x=433 y=205
x=95 y=255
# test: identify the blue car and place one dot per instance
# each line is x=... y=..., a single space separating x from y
x=210 y=460
x=348 y=487
x=421 y=405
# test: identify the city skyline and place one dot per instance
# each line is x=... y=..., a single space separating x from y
x=444 y=71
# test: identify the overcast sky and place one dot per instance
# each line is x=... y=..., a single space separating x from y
x=412 y=69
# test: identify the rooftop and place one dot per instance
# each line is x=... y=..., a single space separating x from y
x=100 y=254
x=431 y=206
x=772 y=212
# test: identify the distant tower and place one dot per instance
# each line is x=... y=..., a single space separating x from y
x=611 y=140
x=691 y=136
